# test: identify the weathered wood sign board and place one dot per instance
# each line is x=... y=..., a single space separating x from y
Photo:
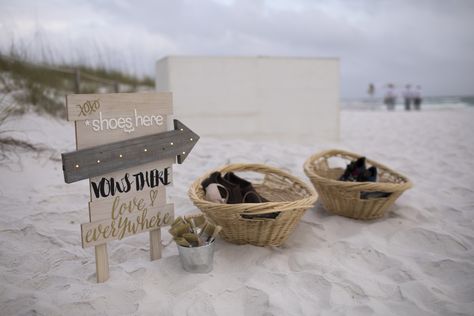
x=126 y=150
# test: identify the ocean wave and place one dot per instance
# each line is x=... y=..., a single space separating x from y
x=447 y=102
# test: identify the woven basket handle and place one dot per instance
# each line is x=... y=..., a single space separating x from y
x=260 y=216
x=258 y=168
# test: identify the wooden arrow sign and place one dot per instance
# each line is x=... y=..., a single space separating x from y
x=99 y=160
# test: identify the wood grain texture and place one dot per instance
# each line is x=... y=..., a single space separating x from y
x=89 y=138
x=111 y=106
x=100 y=232
x=155 y=244
x=101 y=263
x=102 y=209
x=97 y=160
x=160 y=165
x=88 y=106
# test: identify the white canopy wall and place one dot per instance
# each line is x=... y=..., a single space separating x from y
x=287 y=99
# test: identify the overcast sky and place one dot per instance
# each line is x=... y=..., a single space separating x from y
x=421 y=42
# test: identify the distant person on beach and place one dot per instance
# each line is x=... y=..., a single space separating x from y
x=407 y=96
x=390 y=97
x=417 y=99
x=371 y=101
x=371 y=90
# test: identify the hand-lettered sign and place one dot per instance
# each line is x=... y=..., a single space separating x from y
x=126 y=151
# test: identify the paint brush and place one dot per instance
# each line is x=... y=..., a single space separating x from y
x=207 y=230
x=193 y=239
x=214 y=234
x=179 y=229
x=194 y=229
x=199 y=221
x=182 y=242
x=178 y=221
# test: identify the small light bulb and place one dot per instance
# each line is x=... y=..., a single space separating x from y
x=145 y=150
x=191 y=139
x=184 y=153
x=77 y=166
x=98 y=161
x=181 y=129
x=171 y=144
x=120 y=155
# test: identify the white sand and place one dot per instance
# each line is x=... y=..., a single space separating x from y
x=419 y=260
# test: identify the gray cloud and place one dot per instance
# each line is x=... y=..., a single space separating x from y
x=426 y=42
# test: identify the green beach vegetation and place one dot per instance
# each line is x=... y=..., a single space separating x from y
x=42 y=87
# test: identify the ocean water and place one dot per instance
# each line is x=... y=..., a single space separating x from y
x=445 y=102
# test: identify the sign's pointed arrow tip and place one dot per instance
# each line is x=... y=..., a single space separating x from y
x=193 y=138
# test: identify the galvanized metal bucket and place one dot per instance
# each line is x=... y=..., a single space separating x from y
x=197 y=259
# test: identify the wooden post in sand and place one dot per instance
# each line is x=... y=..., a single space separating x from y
x=125 y=150
x=77 y=80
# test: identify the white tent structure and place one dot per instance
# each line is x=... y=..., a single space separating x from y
x=274 y=98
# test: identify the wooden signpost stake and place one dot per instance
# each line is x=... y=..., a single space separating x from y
x=125 y=149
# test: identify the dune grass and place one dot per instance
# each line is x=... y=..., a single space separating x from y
x=43 y=87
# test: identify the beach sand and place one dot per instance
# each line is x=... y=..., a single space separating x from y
x=418 y=260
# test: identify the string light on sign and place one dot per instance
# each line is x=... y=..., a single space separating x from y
x=118 y=155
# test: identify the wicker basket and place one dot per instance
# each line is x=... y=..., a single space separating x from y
x=245 y=223
x=354 y=199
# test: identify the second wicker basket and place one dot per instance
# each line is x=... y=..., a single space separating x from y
x=360 y=200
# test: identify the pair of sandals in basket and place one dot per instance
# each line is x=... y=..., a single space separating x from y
x=356 y=171
x=230 y=189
